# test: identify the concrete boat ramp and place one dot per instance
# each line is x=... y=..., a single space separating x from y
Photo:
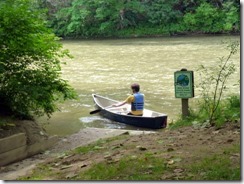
x=82 y=138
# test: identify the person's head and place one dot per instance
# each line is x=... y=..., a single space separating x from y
x=135 y=87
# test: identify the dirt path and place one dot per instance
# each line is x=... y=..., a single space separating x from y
x=83 y=137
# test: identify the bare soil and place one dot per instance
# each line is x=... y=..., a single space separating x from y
x=190 y=144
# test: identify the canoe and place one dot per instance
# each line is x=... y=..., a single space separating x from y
x=150 y=119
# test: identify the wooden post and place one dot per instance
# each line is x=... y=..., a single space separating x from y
x=185 y=107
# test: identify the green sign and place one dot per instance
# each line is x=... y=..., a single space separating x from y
x=184 y=84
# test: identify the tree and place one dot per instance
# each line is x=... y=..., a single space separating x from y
x=30 y=66
x=106 y=18
x=207 y=18
x=162 y=12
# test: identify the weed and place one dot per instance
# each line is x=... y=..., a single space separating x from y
x=213 y=83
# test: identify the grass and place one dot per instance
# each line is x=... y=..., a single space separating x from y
x=146 y=167
x=228 y=111
x=98 y=145
x=217 y=167
x=6 y=123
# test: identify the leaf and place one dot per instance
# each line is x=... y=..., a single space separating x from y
x=160 y=142
x=11 y=124
x=177 y=159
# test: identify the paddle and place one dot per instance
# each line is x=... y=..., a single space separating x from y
x=98 y=110
x=95 y=111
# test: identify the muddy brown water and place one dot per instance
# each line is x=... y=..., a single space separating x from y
x=108 y=67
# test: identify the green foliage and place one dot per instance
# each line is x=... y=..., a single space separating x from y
x=208 y=18
x=162 y=12
x=213 y=83
x=232 y=17
x=228 y=110
x=30 y=80
x=104 y=18
x=6 y=123
x=186 y=121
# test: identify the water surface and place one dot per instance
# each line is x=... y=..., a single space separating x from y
x=109 y=67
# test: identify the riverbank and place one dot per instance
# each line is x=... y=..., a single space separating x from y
x=65 y=144
x=133 y=36
x=188 y=153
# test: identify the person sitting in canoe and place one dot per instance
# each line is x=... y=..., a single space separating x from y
x=136 y=100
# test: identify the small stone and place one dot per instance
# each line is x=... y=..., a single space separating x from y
x=170 y=149
x=108 y=157
x=141 y=148
x=230 y=140
x=178 y=170
x=134 y=157
x=83 y=165
x=216 y=132
x=71 y=175
x=170 y=162
x=66 y=167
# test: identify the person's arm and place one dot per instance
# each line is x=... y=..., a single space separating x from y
x=128 y=100
x=119 y=104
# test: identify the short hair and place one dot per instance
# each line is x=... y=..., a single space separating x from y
x=136 y=87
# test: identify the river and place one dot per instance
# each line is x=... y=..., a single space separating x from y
x=108 y=67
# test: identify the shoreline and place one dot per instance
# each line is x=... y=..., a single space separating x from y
x=148 y=36
x=68 y=143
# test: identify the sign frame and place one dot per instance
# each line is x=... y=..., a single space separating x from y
x=184 y=84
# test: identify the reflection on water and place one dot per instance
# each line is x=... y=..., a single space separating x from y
x=100 y=122
x=90 y=119
x=108 y=67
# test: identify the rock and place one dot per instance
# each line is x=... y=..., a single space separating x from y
x=71 y=175
x=216 y=132
x=65 y=167
x=179 y=170
x=141 y=148
x=230 y=140
x=83 y=165
x=108 y=157
x=170 y=162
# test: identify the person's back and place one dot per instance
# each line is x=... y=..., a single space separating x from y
x=136 y=100
x=137 y=104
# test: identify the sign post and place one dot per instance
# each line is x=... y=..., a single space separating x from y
x=184 y=88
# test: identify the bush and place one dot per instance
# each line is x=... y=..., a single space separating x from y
x=30 y=53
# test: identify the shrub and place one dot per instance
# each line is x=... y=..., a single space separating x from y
x=30 y=68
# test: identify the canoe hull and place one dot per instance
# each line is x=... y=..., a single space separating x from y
x=155 y=122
